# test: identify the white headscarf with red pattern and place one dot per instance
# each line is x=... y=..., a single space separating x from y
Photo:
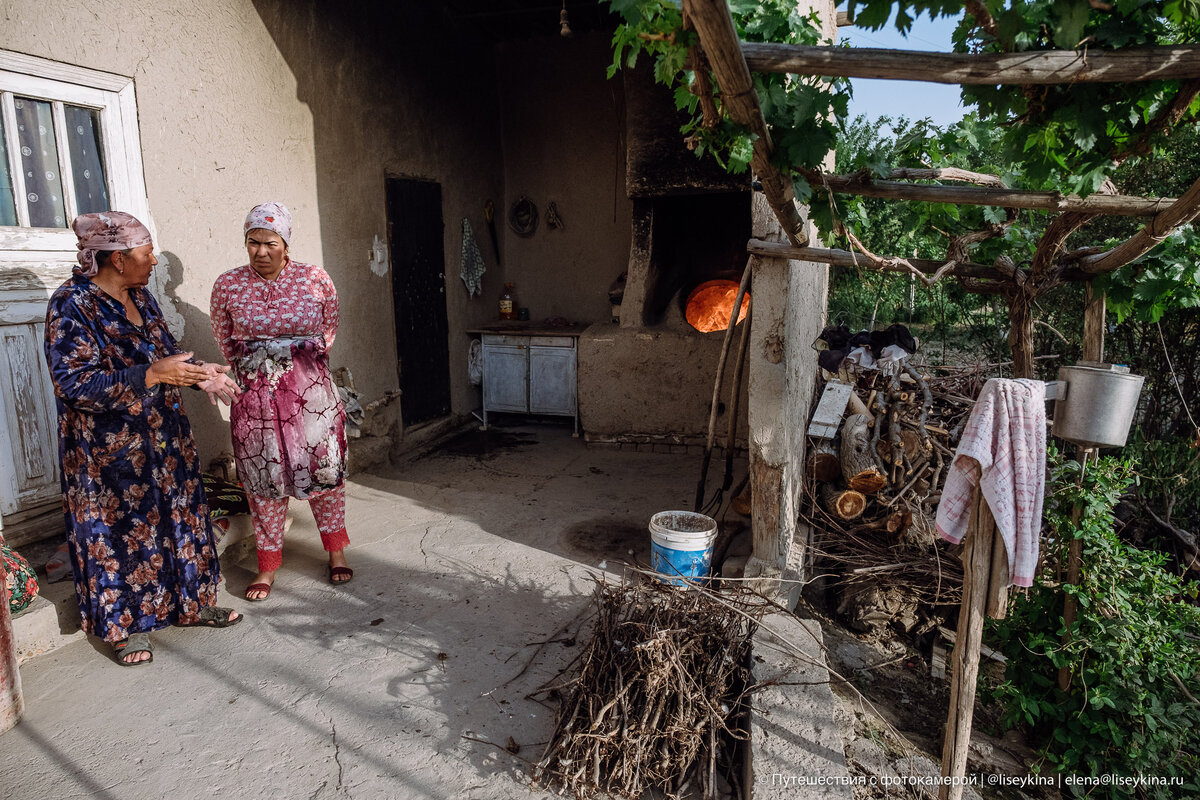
x=270 y=217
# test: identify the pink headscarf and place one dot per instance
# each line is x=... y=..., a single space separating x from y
x=107 y=230
x=270 y=217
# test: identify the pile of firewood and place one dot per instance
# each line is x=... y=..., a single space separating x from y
x=654 y=697
x=873 y=489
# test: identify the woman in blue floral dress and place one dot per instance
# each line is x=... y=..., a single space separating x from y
x=138 y=530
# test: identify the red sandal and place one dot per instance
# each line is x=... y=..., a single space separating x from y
x=258 y=587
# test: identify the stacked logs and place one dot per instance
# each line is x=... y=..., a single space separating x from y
x=872 y=491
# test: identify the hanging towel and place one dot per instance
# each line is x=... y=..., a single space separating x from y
x=472 y=261
x=1003 y=452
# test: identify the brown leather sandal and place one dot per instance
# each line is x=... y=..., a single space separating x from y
x=136 y=643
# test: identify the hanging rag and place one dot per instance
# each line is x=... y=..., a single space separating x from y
x=1003 y=452
x=475 y=363
x=472 y=261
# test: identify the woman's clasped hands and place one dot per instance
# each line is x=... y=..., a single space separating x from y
x=181 y=370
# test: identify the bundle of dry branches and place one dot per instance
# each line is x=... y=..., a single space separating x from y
x=654 y=694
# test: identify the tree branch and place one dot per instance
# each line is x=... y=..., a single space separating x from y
x=960 y=246
x=895 y=264
x=983 y=17
x=845 y=258
x=701 y=86
x=978 y=286
x=1032 y=67
x=1180 y=213
x=1185 y=538
x=1047 y=268
x=1166 y=118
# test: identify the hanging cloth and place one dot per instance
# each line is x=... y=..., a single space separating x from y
x=1003 y=453
x=472 y=261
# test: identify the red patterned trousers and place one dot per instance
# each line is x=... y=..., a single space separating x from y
x=268 y=514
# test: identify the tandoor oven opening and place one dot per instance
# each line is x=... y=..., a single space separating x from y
x=699 y=253
x=710 y=305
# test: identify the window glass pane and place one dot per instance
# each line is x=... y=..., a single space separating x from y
x=87 y=170
x=39 y=162
x=8 y=212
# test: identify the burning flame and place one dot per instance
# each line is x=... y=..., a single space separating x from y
x=710 y=304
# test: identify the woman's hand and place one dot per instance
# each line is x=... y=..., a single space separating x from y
x=176 y=370
x=219 y=385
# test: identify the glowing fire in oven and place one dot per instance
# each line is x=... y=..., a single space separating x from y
x=710 y=304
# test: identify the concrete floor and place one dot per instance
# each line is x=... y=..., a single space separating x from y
x=465 y=560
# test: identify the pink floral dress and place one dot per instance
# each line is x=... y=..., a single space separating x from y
x=289 y=434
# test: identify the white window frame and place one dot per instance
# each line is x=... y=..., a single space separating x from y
x=113 y=97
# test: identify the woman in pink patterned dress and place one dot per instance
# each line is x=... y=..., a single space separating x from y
x=275 y=320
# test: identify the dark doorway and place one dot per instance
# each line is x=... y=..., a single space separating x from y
x=419 y=298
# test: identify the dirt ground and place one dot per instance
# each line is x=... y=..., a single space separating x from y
x=899 y=711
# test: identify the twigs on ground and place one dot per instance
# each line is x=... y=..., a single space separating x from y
x=655 y=692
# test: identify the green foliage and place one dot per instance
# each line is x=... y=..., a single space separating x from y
x=1132 y=645
x=1168 y=277
x=1168 y=476
x=797 y=111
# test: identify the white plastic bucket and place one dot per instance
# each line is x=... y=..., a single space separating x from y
x=681 y=545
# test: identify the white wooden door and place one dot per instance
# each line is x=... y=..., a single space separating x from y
x=27 y=404
x=29 y=482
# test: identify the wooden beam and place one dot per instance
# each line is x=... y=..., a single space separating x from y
x=1113 y=204
x=718 y=37
x=845 y=258
x=989 y=69
x=1178 y=214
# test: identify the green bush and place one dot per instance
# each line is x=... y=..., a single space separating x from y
x=1134 y=650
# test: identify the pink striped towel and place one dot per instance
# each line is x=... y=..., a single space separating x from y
x=1003 y=451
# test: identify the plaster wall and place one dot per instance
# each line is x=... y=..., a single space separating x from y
x=562 y=123
x=653 y=384
x=297 y=101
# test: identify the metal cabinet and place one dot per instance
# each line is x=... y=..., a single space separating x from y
x=505 y=374
x=530 y=374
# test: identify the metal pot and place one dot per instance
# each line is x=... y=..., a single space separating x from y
x=1099 y=405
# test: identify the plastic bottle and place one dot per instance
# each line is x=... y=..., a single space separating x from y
x=508 y=302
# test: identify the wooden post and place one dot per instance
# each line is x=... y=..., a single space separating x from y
x=977 y=558
x=11 y=703
x=1093 y=350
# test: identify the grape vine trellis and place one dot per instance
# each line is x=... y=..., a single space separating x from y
x=1078 y=87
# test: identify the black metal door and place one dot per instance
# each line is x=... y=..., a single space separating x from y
x=419 y=297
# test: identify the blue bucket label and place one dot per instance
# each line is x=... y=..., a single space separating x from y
x=691 y=564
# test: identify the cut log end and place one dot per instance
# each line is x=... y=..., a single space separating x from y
x=868 y=481
x=823 y=463
x=845 y=504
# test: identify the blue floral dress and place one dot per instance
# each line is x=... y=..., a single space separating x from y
x=138 y=529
